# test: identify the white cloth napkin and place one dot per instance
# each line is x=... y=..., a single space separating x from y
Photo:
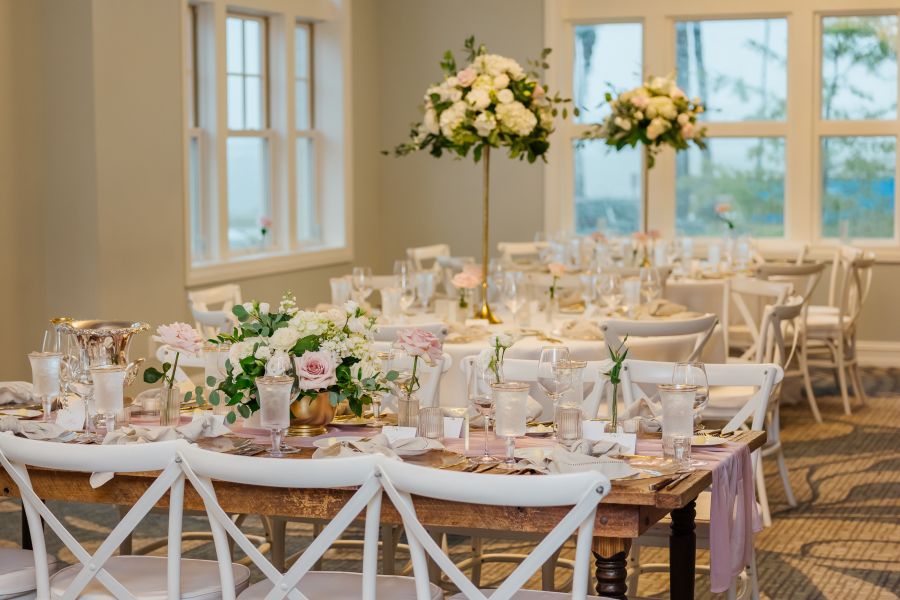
x=33 y=430
x=663 y=308
x=201 y=426
x=583 y=455
x=380 y=444
x=15 y=392
x=461 y=334
x=581 y=329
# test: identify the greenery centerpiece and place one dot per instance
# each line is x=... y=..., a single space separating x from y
x=490 y=103
x=331 y=355
x=657 y=115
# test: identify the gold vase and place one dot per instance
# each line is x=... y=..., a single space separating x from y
x=484 y=311
x=309 y=416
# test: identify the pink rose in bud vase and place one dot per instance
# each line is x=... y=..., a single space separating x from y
x=654 y=234
x=418 y=342
x=473 y=270
x=315 y=370
x=181 y=337
x=557 y=269
x=265 y=224
x=466 y=281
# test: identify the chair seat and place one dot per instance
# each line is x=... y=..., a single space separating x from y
x=726 y=400
x=826 y=322
x=536 y=595
x=338 y=585
x=822 y=310
x=145 y=578
x=17 y=572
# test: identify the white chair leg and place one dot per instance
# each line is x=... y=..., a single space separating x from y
x=858 y=388
x=842 y=379
x=785 y=478
x=807 y=383
x=548 y=573
x=763 y=497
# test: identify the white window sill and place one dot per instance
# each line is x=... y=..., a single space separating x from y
x=257 y=265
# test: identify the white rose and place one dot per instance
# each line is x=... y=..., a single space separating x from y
x=452 y=117
x=284 y=338
x=358 y=324
x=683 y=118
x=501 y=81
x=485 y=123
x=451 y=81
x=663 y=107
x=238 y=352
x=431 y=122
x=638 y=116
x=483 y=82
x=263 y=352
x=516 y=118
x=455 y=95
x=505 y=96
x=479 y=98
x=656 y=128
x=622 y=123
x=350 y=306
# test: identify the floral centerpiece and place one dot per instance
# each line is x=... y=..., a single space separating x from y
x=657 y=115
x=492 y=102
x=330 y=353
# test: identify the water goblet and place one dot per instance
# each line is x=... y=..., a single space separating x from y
x=513 y=294
x=426 y=281
x=45 y=378
x=610 y=289
x=651 y=288
x=510 y=410
x=480 y=397
x=275 y=410
x=588 y=291
x=362 y=283
x=109 y=391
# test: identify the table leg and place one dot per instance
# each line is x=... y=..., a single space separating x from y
x=682 y=552
x=611 y=559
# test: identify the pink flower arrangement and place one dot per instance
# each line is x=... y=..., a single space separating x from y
x=181 y=337
x=316 y=370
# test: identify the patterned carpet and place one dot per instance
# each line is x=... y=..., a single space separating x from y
x=842 y=541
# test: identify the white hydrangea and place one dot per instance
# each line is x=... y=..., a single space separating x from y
x=516 y=118
x=663 y=107
x=431 y=122
x=485 y=123
x=307 y=322
x=452 y=118
x=238 y=352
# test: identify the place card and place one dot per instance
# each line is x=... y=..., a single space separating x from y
x=594 y=431
x=71 y=417
x=453 y=427
x=394 y=433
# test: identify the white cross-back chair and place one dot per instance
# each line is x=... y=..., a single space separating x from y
x=804 y=278
x=743 y=301
x=426 y=257
x=700 y=328
x=17 y=573
x=581 y=491
x=512 y=252
x=834 y=334
x=211 y=308
x=102 y=575
x=797 y=251
x=762 y=378
x=298 y=583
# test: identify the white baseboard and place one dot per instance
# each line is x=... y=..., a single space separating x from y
x=878 y=354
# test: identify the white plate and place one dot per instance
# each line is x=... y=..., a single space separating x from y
x=707 y=440
x=22 y=413
x=333 y=441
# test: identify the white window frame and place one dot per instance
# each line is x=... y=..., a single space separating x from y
x=802 y=128
x=332 y=139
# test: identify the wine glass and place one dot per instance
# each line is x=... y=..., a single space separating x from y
x=403 y=270
x=480 y=397
x=425 y=286
x=651 y=288
x=275 y=410
x=555 y=381
x=362 y=283
x=513 y=296
x=588 y=290
x=693 y=373
x=386 y=359
x=610 y=289
x=407 y=297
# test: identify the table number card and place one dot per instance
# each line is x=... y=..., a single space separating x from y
x=393 y=433
x=453 y=427
x=72 y=416
x=594 y=431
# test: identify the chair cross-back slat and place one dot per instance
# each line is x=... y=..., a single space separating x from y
x=615 y=330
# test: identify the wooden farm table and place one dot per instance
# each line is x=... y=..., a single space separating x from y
x=627 y=512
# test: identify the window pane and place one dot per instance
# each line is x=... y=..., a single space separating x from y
x=235 y=102
x=859 y=67
x=858 y=186
x=301 y=97
x=248 y=190
x=253 y=49
x=747 y=173
x=307 y=217
x=607 y=55
x=234 y=41
x=301 y=51
x=607 y=188
x=198 y=239
x=254 y=99
x=736 y=67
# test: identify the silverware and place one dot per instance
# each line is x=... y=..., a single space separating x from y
x=677 y=480
x=655 y=487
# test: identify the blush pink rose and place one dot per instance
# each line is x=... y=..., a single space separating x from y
x=472 y=270
x=723 y=207
x=418 y=342
x=180 y=336
x=315 y=370
x=538 y=92
x=557 y=269
x=466 y=77
x=465 y=281
x=265 y=222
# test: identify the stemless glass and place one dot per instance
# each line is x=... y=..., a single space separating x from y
x=426 y=281
x=610 y=289
x=109 y=392
x=651 y=287
x=677 y=414
x=45 y=372
x=510 y=409
x=362 y=283
x=480 y=397
x=275 y=410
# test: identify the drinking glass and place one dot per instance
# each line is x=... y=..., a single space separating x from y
x=403 y=270
x=341 y=287
x=693 y=373
x=386 y=360
x=553 y=379
x=631 y=294
x=510 y=413
x=426 y=281
x=431 y=423
x=651 y=287
x=275 y=410
x=480 y=397
x=677 y=414
x=588 y=290
x=407 y=297
x=45 y=372
x=610 y=289
x=568 y=424
x=109 y=391
x=513 y=294
x=362 y=283
x=681 y=451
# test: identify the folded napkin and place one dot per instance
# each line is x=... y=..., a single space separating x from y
x=533 y=410
x=201 y=426
x=582 y=455
x=15 y=392
x=663 y=308
x=459 y=333
x=33 y=430
x=380 y=444
x=581 y=329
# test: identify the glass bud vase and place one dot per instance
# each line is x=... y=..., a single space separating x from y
x=552 y=309
x=407 y=409
x=169 y=406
